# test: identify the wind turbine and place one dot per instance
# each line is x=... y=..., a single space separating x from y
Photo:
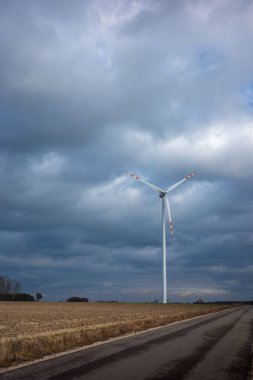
x=165 y=205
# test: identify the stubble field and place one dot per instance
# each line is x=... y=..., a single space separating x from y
x=32 y=330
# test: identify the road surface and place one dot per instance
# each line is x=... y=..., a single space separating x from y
x=212 y=347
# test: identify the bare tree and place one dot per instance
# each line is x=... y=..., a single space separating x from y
x=38 y=296
x=9 y=286
x=16 y=287
x=2 y=284
x=5 y=285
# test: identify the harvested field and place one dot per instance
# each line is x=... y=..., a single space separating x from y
x=32 y=330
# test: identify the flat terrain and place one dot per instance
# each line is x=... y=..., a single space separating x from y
x=31 y=330
x=211 y=347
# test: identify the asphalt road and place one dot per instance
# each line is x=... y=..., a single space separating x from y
x=213 y=347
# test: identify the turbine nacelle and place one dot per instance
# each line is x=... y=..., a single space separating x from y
x=161 y=195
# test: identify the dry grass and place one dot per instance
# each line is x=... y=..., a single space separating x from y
x=33 y=330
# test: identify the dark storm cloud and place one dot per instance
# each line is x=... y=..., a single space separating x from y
x=90 y=90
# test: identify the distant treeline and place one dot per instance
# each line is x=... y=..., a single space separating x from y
x=10 y=291
x=231 y=302
x=77 y=299
x=16 y=297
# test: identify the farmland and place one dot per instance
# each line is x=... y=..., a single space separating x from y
x=31 y=330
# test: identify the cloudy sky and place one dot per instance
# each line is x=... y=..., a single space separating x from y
x=91 y=89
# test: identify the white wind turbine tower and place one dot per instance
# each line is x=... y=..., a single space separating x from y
x=165 y=205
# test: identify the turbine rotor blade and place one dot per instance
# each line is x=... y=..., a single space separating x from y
x=186 y=178
x=153 y=187
x=169 y=214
